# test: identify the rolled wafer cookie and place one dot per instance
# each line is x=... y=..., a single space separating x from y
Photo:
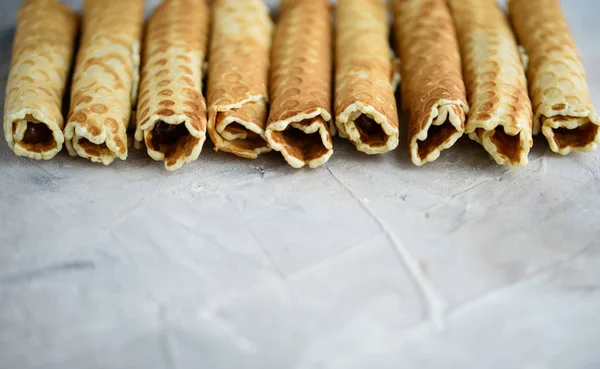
x=500 y=113
x=171 y=112
x=105 y=81
x=365 y=105
x=42 y=56
x=433 y=90
x=238 y=76
x=300 y=120
x=562 y=108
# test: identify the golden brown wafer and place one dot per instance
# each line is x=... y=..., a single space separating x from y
x=238 y=76
x=42 y=55
x=433 y=91
x=365 y=105
x=105 y=80
x=301 y=84
x=562 y=108
x=171 y=110
x=500 y=111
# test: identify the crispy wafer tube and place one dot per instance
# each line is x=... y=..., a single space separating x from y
x=365 y=105
x=238 y=76
x=172 y=111
x=42 y=55
x=500 y=111
x=105 y=80
x=433 y=91
x=301 y=84
x=562 y=108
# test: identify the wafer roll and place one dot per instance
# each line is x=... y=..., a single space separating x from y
x=299 y=123
x=172 y=111
x=105 y=80
x=42 y=56
x=365 y=105
x=562 y=108
x=238 y=76
x=500 y=111
x=433 y=91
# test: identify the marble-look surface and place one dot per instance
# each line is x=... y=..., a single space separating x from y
x=369 y=262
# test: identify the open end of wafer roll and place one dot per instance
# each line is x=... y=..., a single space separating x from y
x=307 y=142
x=368 y=129
x=444 y=127
x=35 y=138
x=98 y=143
x=239 y=136
x=567 y=134
x=506 y=148
x=240 y=130
x=173 y=140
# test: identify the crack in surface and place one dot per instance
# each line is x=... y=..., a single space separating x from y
x=29 y=275
x=433 y=300
x=272 y=260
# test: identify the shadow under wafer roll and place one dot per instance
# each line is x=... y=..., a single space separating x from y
x=433 y=91
x=500 y=113
x=42 y=56
x=300 y=120
x=172 y=111
x=365 y=105
x=105 y=81
x=562 y=109
x=238 y=76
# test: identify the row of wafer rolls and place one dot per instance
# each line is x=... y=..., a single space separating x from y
x=171 y=111
x=172 y=115
x=489 y=100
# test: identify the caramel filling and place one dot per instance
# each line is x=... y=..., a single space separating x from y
x=577 y=137
x=301 y=145
x=506 y=145
x=165 y=135
x=436 y=136
x=371 y=132
x=93 y=149
x=37 y=133
x=305 y=145
x=243 y=138
x=237 y=131
x=239 y=135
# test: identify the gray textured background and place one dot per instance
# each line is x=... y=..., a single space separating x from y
x=368 y=262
